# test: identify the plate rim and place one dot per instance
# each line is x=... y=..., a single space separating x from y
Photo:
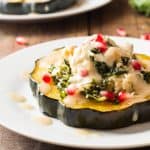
x=50 y=141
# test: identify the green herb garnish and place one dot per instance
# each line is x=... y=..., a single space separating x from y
x=61 y=77
x=91 y=91
x=51 y=68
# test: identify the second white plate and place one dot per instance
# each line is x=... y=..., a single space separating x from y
x=81 y=7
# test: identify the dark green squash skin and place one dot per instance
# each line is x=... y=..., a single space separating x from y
x=15 y=8
x=87 y=118
x=53 y=5
x=38 y=7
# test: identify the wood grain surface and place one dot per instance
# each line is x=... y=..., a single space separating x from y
x=105 y=20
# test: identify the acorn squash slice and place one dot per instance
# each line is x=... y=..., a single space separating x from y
x=91 y=114
x=15 y=7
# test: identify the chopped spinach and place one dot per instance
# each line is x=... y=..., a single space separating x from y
x=102 y=68
x=92 y=90
x=146 y=76
x=107 y=71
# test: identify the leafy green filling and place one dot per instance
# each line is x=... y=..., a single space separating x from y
x=92 y=90
x=102 y=68
x=107 y=71
x=61 y=77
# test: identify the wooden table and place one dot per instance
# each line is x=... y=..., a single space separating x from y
x=105 y=20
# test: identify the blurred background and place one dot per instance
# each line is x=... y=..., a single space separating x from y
x=25 y=23
x=111 y=17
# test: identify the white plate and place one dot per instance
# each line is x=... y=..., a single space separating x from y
x=81 y=7
x=20 y=121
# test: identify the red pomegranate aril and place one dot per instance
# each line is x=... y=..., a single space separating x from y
x=102 y=47
x=99 y=38
x=122 y=96
x=102 y=44
x=121 y=32
x=21 y=40
x=84 y=73
x=109 y=95
x=47 y=78
x=71 y=91
x=145 y=36
x=136 y=64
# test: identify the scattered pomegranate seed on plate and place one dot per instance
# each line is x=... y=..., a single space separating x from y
x=20 y=40
x=121 y=32
x=145 y=36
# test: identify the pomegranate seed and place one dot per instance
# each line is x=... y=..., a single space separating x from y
x=121 y=32
x=122 y=96
x=145 y=36
x=47 y=78
x=71 y=90
x=136 y=64
x=102 y=47
x=99 y=38
x=102 y=44
x=21 y=40
x=109 y=95
x=84 y=73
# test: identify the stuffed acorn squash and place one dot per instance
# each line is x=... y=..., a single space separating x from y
x=98 y=84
